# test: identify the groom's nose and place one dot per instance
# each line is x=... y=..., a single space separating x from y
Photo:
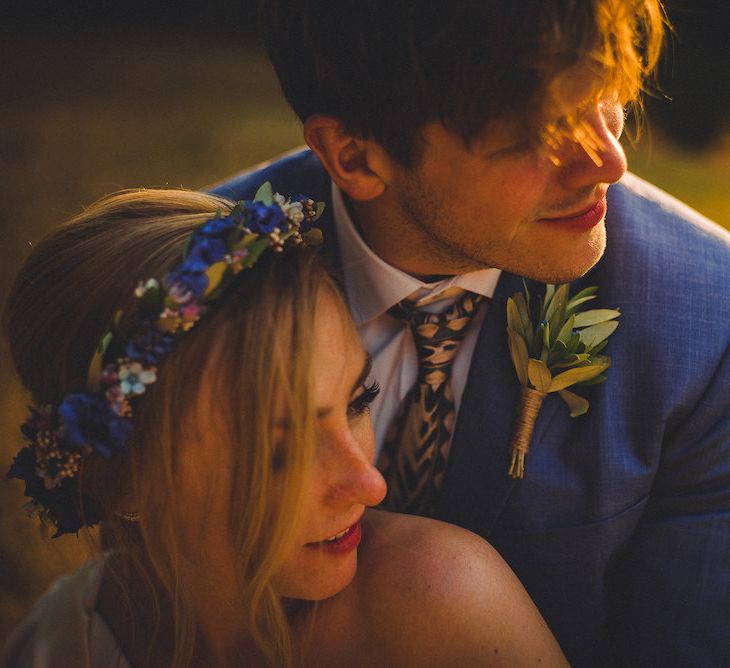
x=601 y=159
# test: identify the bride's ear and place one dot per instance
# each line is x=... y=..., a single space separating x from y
x=359 y=167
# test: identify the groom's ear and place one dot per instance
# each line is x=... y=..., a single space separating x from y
x=359 y=167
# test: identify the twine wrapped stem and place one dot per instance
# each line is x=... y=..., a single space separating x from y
x=529 y=406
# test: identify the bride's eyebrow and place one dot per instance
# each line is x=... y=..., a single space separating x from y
x=364 y=373
x=367 y=367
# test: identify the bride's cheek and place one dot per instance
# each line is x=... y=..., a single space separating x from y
x=362 y=430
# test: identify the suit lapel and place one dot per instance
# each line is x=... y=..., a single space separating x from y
x=477 y=486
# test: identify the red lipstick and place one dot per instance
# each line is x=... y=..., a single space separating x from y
x=343 y=544
x=583 y=220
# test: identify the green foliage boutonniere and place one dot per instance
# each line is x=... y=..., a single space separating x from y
x=554 y=346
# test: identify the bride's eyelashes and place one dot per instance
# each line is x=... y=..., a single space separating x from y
x=361 y=403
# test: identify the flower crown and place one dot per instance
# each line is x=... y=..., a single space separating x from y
x=99 y=419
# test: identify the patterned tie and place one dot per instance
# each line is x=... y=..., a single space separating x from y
x=413 y=458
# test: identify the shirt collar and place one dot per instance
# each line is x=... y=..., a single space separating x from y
x=373 y=285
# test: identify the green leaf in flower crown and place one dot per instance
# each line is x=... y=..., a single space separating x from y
x=539 y=375
x=319 y=209
x=93 y=376
x=595 y=316
x=592 y=336
x=215 y=273
x=255 y=248
x=151 y=302
x=245 y=241
x=232 y=238
x=520 y=357
x=264 y=194
x=577 y=405
x=238 y=213
x=313 y=237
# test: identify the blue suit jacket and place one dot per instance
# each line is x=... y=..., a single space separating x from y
x=620 y=529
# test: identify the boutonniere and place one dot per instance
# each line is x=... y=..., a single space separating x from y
x=554 y=345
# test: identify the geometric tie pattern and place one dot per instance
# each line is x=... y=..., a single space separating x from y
x=416 y=448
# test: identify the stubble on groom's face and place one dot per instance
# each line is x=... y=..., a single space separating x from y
x=507 y=203
x=464 y=215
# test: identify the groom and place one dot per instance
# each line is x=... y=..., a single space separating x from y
x=461 y=146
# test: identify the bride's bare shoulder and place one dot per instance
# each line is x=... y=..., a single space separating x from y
x=438 y=593
x=422 y=556
x=417 y=542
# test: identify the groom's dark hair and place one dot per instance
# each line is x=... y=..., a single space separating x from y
x=386 y=67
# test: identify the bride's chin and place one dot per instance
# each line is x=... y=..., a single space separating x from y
x=319 y=583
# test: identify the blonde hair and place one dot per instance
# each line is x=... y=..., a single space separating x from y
x=254 y=347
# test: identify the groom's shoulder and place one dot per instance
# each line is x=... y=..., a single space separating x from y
x=665 y=264
x=294 y=172
x=658 y=246
x=659 y=231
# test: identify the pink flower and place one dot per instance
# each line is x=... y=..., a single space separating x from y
x=179 y=293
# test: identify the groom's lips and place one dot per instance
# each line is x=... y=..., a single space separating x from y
x=581 y=220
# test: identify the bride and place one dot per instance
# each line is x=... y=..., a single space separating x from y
x=201 y=394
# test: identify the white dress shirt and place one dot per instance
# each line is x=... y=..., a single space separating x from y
x=373 y=286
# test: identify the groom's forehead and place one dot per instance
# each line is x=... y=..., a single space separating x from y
x=566 y=97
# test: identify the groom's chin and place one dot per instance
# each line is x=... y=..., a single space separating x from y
x=567 y=262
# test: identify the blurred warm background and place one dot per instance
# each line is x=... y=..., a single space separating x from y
x=95 y=97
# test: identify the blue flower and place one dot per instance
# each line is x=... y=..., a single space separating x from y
x=207 y=249
x=263 y=218
x=190 y=274
x=90 y=422
x=69 y=510
x=217 y=227
x=23 y=466
x=39 y=419
x=134 y=377
x=149 y=345
x=60 y=504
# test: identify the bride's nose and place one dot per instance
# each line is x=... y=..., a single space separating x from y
x=349 y=473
